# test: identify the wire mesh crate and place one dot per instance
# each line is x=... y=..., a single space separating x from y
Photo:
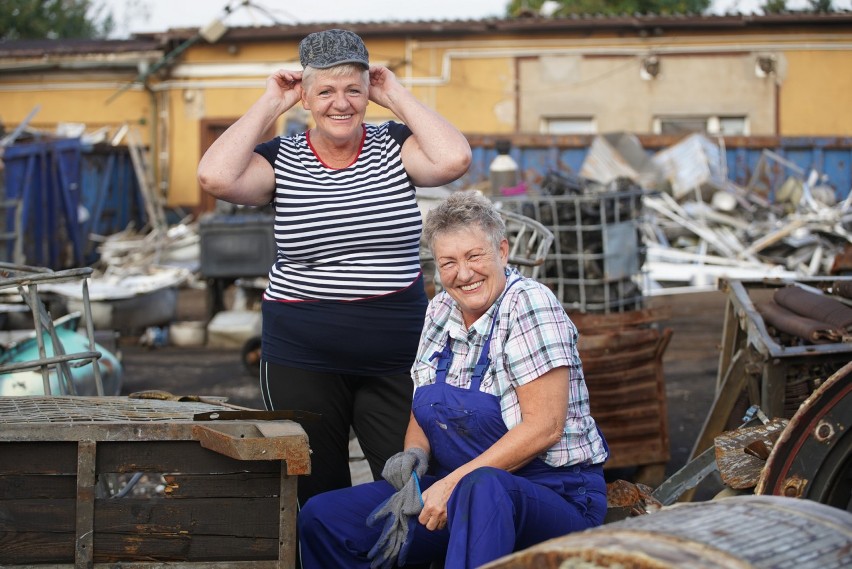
x=595 y=263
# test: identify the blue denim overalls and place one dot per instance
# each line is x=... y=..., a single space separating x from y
x=490 y=513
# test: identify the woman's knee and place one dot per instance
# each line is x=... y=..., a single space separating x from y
x=485 y=481
x=311 y=513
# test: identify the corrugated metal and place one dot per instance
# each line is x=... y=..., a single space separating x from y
x=44 y=178
x=110 y=193
x=625 y=24
x=537 y=155
x=51 y=180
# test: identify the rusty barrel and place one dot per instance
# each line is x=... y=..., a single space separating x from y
x=741 y=532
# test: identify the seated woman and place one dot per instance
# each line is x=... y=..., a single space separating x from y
x=500 y=416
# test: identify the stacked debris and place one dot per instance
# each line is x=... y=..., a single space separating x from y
x=702 y=226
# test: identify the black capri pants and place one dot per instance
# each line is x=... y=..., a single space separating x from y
x=376 y=408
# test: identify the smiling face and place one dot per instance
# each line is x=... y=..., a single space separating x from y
x=337 y=101
x=472 y=269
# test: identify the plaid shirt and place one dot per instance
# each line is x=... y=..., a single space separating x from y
x=533 y=335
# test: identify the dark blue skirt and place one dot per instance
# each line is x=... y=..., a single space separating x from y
x=375 y=336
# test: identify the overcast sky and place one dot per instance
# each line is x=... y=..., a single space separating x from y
x=160 y=15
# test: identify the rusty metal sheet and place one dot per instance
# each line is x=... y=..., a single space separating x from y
x=625 y=499
x=285 y=440
x=741 y=454
x=589 y=323
x=623 y=370
x=254 y=415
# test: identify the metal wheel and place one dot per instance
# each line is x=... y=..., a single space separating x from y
x=813 y=457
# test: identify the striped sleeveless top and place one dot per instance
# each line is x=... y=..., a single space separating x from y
x=343 y=234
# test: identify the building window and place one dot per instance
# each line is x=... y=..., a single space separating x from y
x=568 y=125
x=717 y=125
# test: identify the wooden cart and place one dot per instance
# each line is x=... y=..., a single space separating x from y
x=227 y=496
x=754 y=369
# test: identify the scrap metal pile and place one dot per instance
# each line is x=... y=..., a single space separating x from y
x=700 y=226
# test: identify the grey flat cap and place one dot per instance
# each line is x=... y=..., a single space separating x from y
x=328 y=48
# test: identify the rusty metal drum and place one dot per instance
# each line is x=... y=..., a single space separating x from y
x=813 y=457
x=741 y=532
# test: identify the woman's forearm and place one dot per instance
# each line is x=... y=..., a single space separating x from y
x=415 y=437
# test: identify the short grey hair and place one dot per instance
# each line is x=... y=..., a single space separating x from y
x=461 y=210
x=308 y=73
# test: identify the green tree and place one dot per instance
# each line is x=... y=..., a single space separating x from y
x=778 y=6
x=54 y=19
x=821 y=5
x=774 y=6
x=611 y=7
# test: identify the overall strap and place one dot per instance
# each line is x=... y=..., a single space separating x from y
x=485 y=355
x=445 y=358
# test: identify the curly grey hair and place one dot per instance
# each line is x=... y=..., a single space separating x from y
x=463 y=209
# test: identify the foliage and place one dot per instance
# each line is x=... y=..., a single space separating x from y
x=54 y=19
x=611 y=7
x=557 y=8
x=779 y=6
x=821 y=5
x=774 y=6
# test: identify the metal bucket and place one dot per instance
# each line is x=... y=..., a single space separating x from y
x=730 y=533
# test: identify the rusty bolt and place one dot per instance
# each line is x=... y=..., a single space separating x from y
x=794 y=487
x=824 y=431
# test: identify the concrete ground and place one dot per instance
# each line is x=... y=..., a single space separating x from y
x=690 y=368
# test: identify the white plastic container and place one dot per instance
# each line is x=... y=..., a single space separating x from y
x=188 y=334
x=232 y=328
x=503 y=171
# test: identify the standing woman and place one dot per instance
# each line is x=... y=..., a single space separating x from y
x=345 y=303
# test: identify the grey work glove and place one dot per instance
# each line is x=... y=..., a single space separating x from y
x=399 y=467
x=399 y=513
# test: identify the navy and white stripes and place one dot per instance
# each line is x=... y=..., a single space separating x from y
x=343 y=234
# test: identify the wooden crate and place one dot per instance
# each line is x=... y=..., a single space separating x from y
x=622 y=357
x=229 y=498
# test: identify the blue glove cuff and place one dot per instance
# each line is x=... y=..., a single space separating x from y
x=417 y=485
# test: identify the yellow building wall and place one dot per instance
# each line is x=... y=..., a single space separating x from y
x=187 y=108
x=816 y=97
x=61 y=101
x=478 y=83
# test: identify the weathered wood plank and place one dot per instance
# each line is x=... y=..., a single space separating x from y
x=114 y=548
x=38 y=457
x=54 y=515
x=38 y=486
x=28 y=548
x=173 y=456
x=240 y=485
x=239 y=517
x=85 y=506
x=41 y=531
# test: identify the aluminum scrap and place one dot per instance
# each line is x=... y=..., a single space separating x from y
x=701 y=226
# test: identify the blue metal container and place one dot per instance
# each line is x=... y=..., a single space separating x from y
x=42 y=193
x=48 y=184
x=536 y=155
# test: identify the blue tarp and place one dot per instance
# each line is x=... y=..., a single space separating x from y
x=65 y=192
